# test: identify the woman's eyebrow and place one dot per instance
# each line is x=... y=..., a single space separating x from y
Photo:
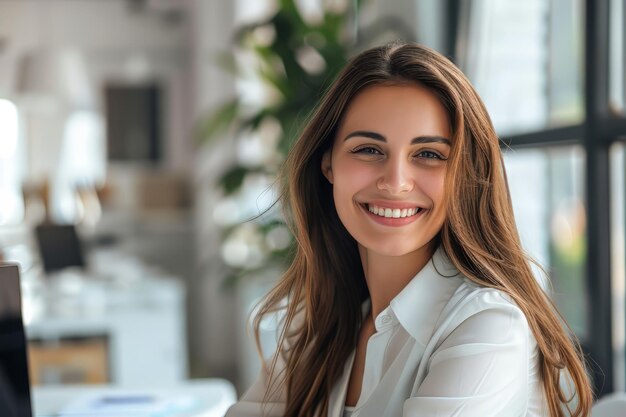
x=379 y=137
x=366 y=134
x=430 y=139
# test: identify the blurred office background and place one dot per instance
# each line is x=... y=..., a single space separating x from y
x=124 y=155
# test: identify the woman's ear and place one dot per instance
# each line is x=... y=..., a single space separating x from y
x=327 y=168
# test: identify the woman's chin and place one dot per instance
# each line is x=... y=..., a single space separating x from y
x=397 y=247
x=393 y=250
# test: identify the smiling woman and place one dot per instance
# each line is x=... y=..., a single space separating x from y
x=390 y=155
x=409 y=293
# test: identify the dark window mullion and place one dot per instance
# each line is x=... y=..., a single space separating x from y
x=607 y=130
x=453 y=14
x=611 y=129
x=598 y=277
x=567 y=135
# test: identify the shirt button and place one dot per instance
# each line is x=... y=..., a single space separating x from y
x=385 y=319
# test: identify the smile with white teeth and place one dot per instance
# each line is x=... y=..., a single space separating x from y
x=393 y=213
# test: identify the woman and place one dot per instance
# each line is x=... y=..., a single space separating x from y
x=409 y=294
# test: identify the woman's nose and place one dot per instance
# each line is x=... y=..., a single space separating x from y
x=396 y=178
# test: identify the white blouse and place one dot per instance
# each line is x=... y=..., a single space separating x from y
x=444 y=347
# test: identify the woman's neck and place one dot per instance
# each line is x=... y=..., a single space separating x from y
x=386 y=276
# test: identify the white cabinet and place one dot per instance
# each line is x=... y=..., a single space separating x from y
x=143 y=325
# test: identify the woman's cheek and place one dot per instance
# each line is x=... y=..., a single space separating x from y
x=354 y=174
x=432 y=183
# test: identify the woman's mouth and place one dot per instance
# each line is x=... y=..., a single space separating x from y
x=394 y=213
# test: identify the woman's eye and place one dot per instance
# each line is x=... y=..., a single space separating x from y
x=367 y=150
x=430 y=155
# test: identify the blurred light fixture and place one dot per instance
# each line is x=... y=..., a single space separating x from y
x=57 y=75
x=138 y=68
x=11 y=202
x=169 y=11
x=8 y=129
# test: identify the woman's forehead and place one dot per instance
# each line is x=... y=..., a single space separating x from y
x=397 y=110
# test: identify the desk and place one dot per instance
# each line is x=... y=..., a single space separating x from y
x=213 y=396
x=133 y=314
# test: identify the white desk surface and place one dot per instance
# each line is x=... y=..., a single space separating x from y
x=214 y=396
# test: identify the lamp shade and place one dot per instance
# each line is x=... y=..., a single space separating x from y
x=52 y=74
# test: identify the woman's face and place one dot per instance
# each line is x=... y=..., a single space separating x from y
x=388 y=165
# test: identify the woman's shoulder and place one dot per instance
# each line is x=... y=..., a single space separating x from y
x=472 y=297
x=493 y=308
x=473 y=292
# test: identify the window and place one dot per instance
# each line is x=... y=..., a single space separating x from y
x=524 y=60
x=617 y=58
x=618 y=261
x=555 y=89
x=82 y=167
x=11 y=165
x=547 y=191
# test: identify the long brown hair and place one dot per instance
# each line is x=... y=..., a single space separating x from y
x=325 y=286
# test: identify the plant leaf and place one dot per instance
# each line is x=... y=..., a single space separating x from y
x=218 y=121
x=232 y=179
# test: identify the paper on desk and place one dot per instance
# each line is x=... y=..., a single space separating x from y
x=131 y=405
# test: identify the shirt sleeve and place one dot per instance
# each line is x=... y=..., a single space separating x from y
x=481 y=368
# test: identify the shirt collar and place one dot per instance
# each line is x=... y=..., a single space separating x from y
x=419 y=304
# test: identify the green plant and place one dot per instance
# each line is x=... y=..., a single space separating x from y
x=295 y=60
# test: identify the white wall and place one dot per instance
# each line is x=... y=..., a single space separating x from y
x=113 y=41
x=213 y=338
